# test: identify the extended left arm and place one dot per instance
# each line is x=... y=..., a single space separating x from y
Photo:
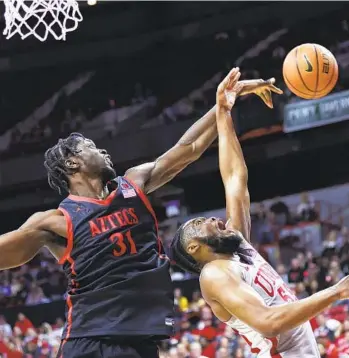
x=194 y=142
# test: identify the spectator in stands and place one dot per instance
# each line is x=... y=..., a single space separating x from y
x=223 y=353
x=23 y=324
x=206 y=318
x=335 y=272
x=36 y=296
x=266 y=232
x=301 y=291
x=343 y=241
x=281 y=270
x=322 y=330
x=281 y=211
x=197 y=302
x=330 y=244
x=296 y=273
x=180 y=300
x=195 y=350
x=306 y=209
x=5 y=328
x=323 y=277
x=182 y=351
x=313 y=287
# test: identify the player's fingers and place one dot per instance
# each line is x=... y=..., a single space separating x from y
x=270 y=99
x=266 y=99
x=265 y=83
x=276 y=89
x=233 y=77
x=231 y=74
x=234 y=80
x=225 y=82
x=238 y=87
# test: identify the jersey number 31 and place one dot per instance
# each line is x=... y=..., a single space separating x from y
x=123 y=243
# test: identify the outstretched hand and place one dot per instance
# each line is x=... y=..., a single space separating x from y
x=262 y=89
x=229 y=89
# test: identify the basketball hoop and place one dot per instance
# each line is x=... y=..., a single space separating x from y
x=41 y=18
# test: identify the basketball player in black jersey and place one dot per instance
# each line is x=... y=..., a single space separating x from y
x=119 y=299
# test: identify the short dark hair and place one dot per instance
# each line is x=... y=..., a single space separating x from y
x=55 y=157
x=227 y=245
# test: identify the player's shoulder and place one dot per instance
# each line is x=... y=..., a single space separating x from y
x=217 y=275
x=219 y=270
x=48 y=213
x=42 y=219
x=140 y=174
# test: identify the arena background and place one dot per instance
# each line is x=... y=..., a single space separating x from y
x=133 y=77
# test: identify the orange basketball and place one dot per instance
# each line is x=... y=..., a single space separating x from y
x=310 y=71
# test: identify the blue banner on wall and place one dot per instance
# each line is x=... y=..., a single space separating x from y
x=315 y=113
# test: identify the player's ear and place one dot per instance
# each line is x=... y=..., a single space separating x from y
x=72 y=163
x=193 y=247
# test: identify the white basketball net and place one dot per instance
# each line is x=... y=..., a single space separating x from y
x=41 y=18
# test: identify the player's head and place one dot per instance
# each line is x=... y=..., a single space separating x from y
x=201 y=240
x=76 y=154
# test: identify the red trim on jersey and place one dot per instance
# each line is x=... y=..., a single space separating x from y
x=105 y=201
x=273 y=351
x=69 y=321
x=70 y=236
x=253 y=350
x=64 y=341
x=147 y=204
x=66 y=257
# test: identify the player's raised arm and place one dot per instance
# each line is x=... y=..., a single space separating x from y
x=231 y=159
x=232 y=164
x=19 y=246
x=241 y=301
x=192 y=144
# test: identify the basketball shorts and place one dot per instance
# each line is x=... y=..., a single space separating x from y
x=96 y=347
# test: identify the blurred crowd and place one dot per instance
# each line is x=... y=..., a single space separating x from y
x=110 y=100
x=198 y=332
x=23 y=340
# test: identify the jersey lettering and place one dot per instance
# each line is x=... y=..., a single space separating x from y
x=286 y=294
x=109 y=222
x=266 y=279
x=118 y=239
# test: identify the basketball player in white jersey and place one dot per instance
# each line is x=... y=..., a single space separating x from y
x=242 y=289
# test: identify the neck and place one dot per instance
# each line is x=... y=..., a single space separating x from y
x=244 y=246
x=88 y=187
x=214 y=257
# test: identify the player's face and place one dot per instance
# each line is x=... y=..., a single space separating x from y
x=207 y=227
x=202 y=228
x=95 y=161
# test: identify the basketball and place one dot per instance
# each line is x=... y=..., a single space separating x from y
x=310 y=71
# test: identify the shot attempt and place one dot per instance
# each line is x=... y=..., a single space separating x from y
x=242 y=289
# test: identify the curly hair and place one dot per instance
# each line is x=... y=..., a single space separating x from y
x=179 y=254
x=55 y=157
x=220 y=245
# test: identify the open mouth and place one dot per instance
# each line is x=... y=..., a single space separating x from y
x=109 y=162
x=221 y=225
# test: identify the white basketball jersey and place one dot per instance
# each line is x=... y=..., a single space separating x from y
x=297 y=343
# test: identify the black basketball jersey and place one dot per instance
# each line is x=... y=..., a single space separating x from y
x=119 y=280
